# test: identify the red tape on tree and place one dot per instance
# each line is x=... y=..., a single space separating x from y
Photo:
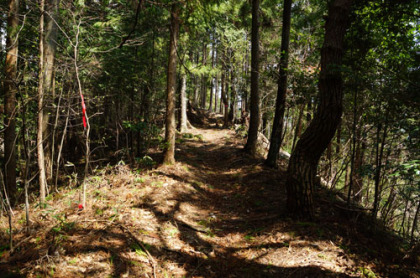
x=83 y=110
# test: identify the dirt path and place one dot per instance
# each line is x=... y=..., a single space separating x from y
x=216 y=213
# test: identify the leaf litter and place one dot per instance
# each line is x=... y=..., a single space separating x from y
x=215 y=213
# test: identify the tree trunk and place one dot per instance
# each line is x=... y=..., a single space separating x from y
x=212 y=78
x=169 y=155
x=183 y=101
x=216 y=92
x=50 y=46
x=204 y=79
x=254 y=122
x=414 y=227
x=379 y=156
x=353 y=148
x=40 y=139
x=298 y=128
x=276 y=134
x=224 y=93
x=302 y=169
x=358 y=163
x=232 y=108
x=10 y=89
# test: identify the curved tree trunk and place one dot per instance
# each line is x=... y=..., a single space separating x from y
x=276 y=134
x=254 y=122
x=301 y=173
x=10 y=89
x=169 y=155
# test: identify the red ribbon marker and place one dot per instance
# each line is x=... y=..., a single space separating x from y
x=83 y=110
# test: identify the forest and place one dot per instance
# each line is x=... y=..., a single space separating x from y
x=209 y=138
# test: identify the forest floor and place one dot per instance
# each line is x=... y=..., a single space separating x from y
x=215 y=213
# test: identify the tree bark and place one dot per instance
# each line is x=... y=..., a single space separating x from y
x=414 y=226
x=254 y=122
x=298 y=128
x=169 y=155
x=276 y=134
x=378 y=170
x=302 y=169
x=216 y=91
x=10 y=89
x=204 y=79
x=232 y=108
x=183 y=100
x=50 y=46
x=212 y=85
x=224 y=93
x=40 y=139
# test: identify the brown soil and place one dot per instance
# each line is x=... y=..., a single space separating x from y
x=215 y=213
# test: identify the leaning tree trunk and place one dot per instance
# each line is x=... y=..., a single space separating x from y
x=254 y=122
x=301 y=173
x=276 y=134
x=10 y=89
x=169 y=155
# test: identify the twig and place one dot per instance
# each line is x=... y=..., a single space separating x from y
x=150 y=257
x=139 y=5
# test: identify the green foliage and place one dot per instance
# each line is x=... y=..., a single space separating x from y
x=146 y=161
x=367 y=273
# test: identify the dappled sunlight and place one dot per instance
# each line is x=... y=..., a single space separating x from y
x=215 y=213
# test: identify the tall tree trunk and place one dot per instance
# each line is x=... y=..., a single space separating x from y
x=169 y=155
x=50 y=46
x=10 y=89
x=379 y=157
x=358 y=163
x=276 y=134
x=302 y=169
x=232 y=108
x=216 y=92
x=212 y=81
x=254 y=122
x=204 y=79
x=194 y=60
x=224 y=93
x=40 y=140
x=183 y=101
x=353 y=148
